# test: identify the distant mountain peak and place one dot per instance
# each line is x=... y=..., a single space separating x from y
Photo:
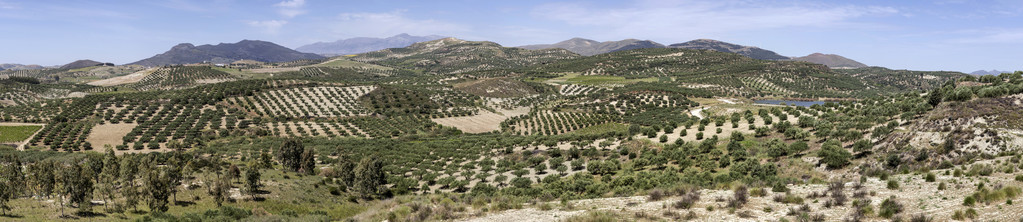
x=748 y=51
x=590 y=47
x=186 y=53
x=83 y=63
x=364 y=44
x=830 y=60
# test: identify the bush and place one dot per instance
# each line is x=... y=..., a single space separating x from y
x=893 y=184
x=890 y=207
x=929 y=177
x=834 y=156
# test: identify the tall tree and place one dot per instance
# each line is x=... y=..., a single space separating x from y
x=252 y=182
x=109 y=178
x=309 y=161
x=289 y=154
x=12 y=181
x=129 y=181
x=369 y=176
x=156 y=187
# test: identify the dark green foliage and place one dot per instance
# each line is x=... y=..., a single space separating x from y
x=369 y=177
x=833 y=155
x=289 y=154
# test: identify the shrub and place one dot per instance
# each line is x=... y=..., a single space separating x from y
x=889 y=207
x=833 y=155
x=893 y=184
x=929 y=177
x=656 y=195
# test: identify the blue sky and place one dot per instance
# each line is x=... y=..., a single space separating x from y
x=957 y=35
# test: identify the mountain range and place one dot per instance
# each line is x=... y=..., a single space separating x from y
x=589 y=47
x=748 y=51
x=830 y=60
x=12 y=66
x=984 y=72
x=262 y=51
x=364 y=44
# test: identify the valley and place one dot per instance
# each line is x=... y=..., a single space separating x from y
x=458 y=130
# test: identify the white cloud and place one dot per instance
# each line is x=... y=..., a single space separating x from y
x=390 y=23
x=291 y=8
x=7 y=5
x=269 y=26
x=673 y=19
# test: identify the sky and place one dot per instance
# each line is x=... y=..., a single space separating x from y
x=956 y=35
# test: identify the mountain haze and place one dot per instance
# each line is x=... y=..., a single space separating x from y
x=262 y=51
x=364 y=44
x=830 y=60
x=589 y=47
x=451 y=55
x=985 y=72
x=748 y=51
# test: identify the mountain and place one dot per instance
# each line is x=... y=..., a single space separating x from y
x=451 y=55
x=830 y=60
x=12 y=66
x=992 y=72
x=748 y=51
x=84 y=63
x=364 y=44
x=263 y=51
x=588 y=47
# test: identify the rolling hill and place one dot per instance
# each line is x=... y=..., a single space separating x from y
x=451 y=56
x=748 y=51
x=589 y=47
x=830 y=60
x=84 y=63
x=263 y=51
x=364 y=44
x=985 y=72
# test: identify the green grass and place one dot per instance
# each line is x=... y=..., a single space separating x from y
x=602 y=129
x=351 y=64
x=17 y=133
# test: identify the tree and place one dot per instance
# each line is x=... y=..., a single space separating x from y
x=74 y=184
x=12 y=181
x=309 y=161
x=129 y=185
x=289 y=154
x=220 y=190
x=833 y=155
x=157 y=186
x=252 y=182
x=369 y=176
x=109 y=177
x=346 y=172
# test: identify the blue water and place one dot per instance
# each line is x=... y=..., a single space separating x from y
x=790 y=102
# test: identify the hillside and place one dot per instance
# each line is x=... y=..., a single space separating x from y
x=12 y=66
x=84 y=63
x=748 y=51
x=225 y=53
x=884 y=79
x=588 y=47
x=726 y=73
x=363 y=44
x=451 y=55
x=830 y=60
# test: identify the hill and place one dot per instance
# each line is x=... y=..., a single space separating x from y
x=589 y=47
x=451 y=55
x=84 y=63
x=830 y=60
x=225 y=53
x=12 y=66
x=364 y=44
x=716 y=72
x=885 y=79
x=748 y=51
